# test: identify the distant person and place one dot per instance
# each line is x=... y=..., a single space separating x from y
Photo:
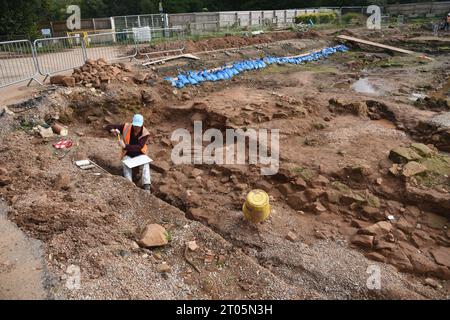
x=447 y=22
x=133 y=141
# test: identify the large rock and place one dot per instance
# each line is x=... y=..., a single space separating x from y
x=286 y=189
x=399 y=259
x=320 y=181
x=45 y=132
x=440 y=201
x=403 y=155
x=160 y=166
x=63 y=80
x=375 y=256
x=421 y=239
x=363 y=240
x=57 y=79
x=404 y=225
x=200 y=214
x=300 y=183
x=333 y=196
x=412 y=168
x=297 y=200
x=140 y=77
x=313 y=193
x=264 y=185
x=421 y=264
x=154 y=235
x=442 y=256
x=422 y=149
x=378 y=229
x=318 y=208
x=69 y=81
x=352 y=197
x=372 y=213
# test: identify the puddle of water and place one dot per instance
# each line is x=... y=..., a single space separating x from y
x=363 y=86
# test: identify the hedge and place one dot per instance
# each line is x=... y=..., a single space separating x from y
x=353 y=18
x=316 y=18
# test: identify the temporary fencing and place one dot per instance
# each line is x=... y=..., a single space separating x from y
x=23 y=60
x=111 y=46
x=59 y=54
x=17 y=62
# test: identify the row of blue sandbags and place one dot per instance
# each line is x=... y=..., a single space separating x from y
x=229 y=71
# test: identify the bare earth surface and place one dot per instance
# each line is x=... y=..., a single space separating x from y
x=21 y=265
x=342 y=200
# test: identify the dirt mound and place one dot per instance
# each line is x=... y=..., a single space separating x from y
x=99 y=73
x=229 y=41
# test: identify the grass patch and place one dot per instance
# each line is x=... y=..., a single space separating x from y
x=340 y=186
x=304 y=173
x=168 y=236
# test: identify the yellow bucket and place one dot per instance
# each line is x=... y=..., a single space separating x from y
x=256 y=207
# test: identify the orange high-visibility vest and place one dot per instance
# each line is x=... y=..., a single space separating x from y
x=127 y=136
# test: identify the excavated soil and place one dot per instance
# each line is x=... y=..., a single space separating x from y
x=227 y=42
x=338 y=190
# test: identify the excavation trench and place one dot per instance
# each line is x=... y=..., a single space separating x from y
x=335 y=186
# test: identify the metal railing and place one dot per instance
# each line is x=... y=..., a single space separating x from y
x=17 y=62
x=23 y=60
x=59 y=54
x=111 y=46
x=163 y=41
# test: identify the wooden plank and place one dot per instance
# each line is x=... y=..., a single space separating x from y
x=187 y=55
x=376 y=44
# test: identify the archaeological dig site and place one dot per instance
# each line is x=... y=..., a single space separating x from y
x=205 y=150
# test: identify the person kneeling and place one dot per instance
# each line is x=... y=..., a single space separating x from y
x=134 y=137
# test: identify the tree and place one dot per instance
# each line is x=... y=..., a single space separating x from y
x=19 y=17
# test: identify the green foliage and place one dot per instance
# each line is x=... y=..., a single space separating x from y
x=353 y=18
x=316 y=18
x=168 y=236
x=25 y=17
x=18 y=17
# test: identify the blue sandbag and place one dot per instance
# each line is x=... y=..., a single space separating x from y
x=219 y=75
x=213 y=77
x=226 y=72
x=192 y=80
x=183 y=79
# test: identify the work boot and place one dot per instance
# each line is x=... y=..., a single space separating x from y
x=147 y=187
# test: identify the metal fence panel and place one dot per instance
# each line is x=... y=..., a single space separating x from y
x=59 y=54
x=111 y=46
x=17 y=62
x=163 y=41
